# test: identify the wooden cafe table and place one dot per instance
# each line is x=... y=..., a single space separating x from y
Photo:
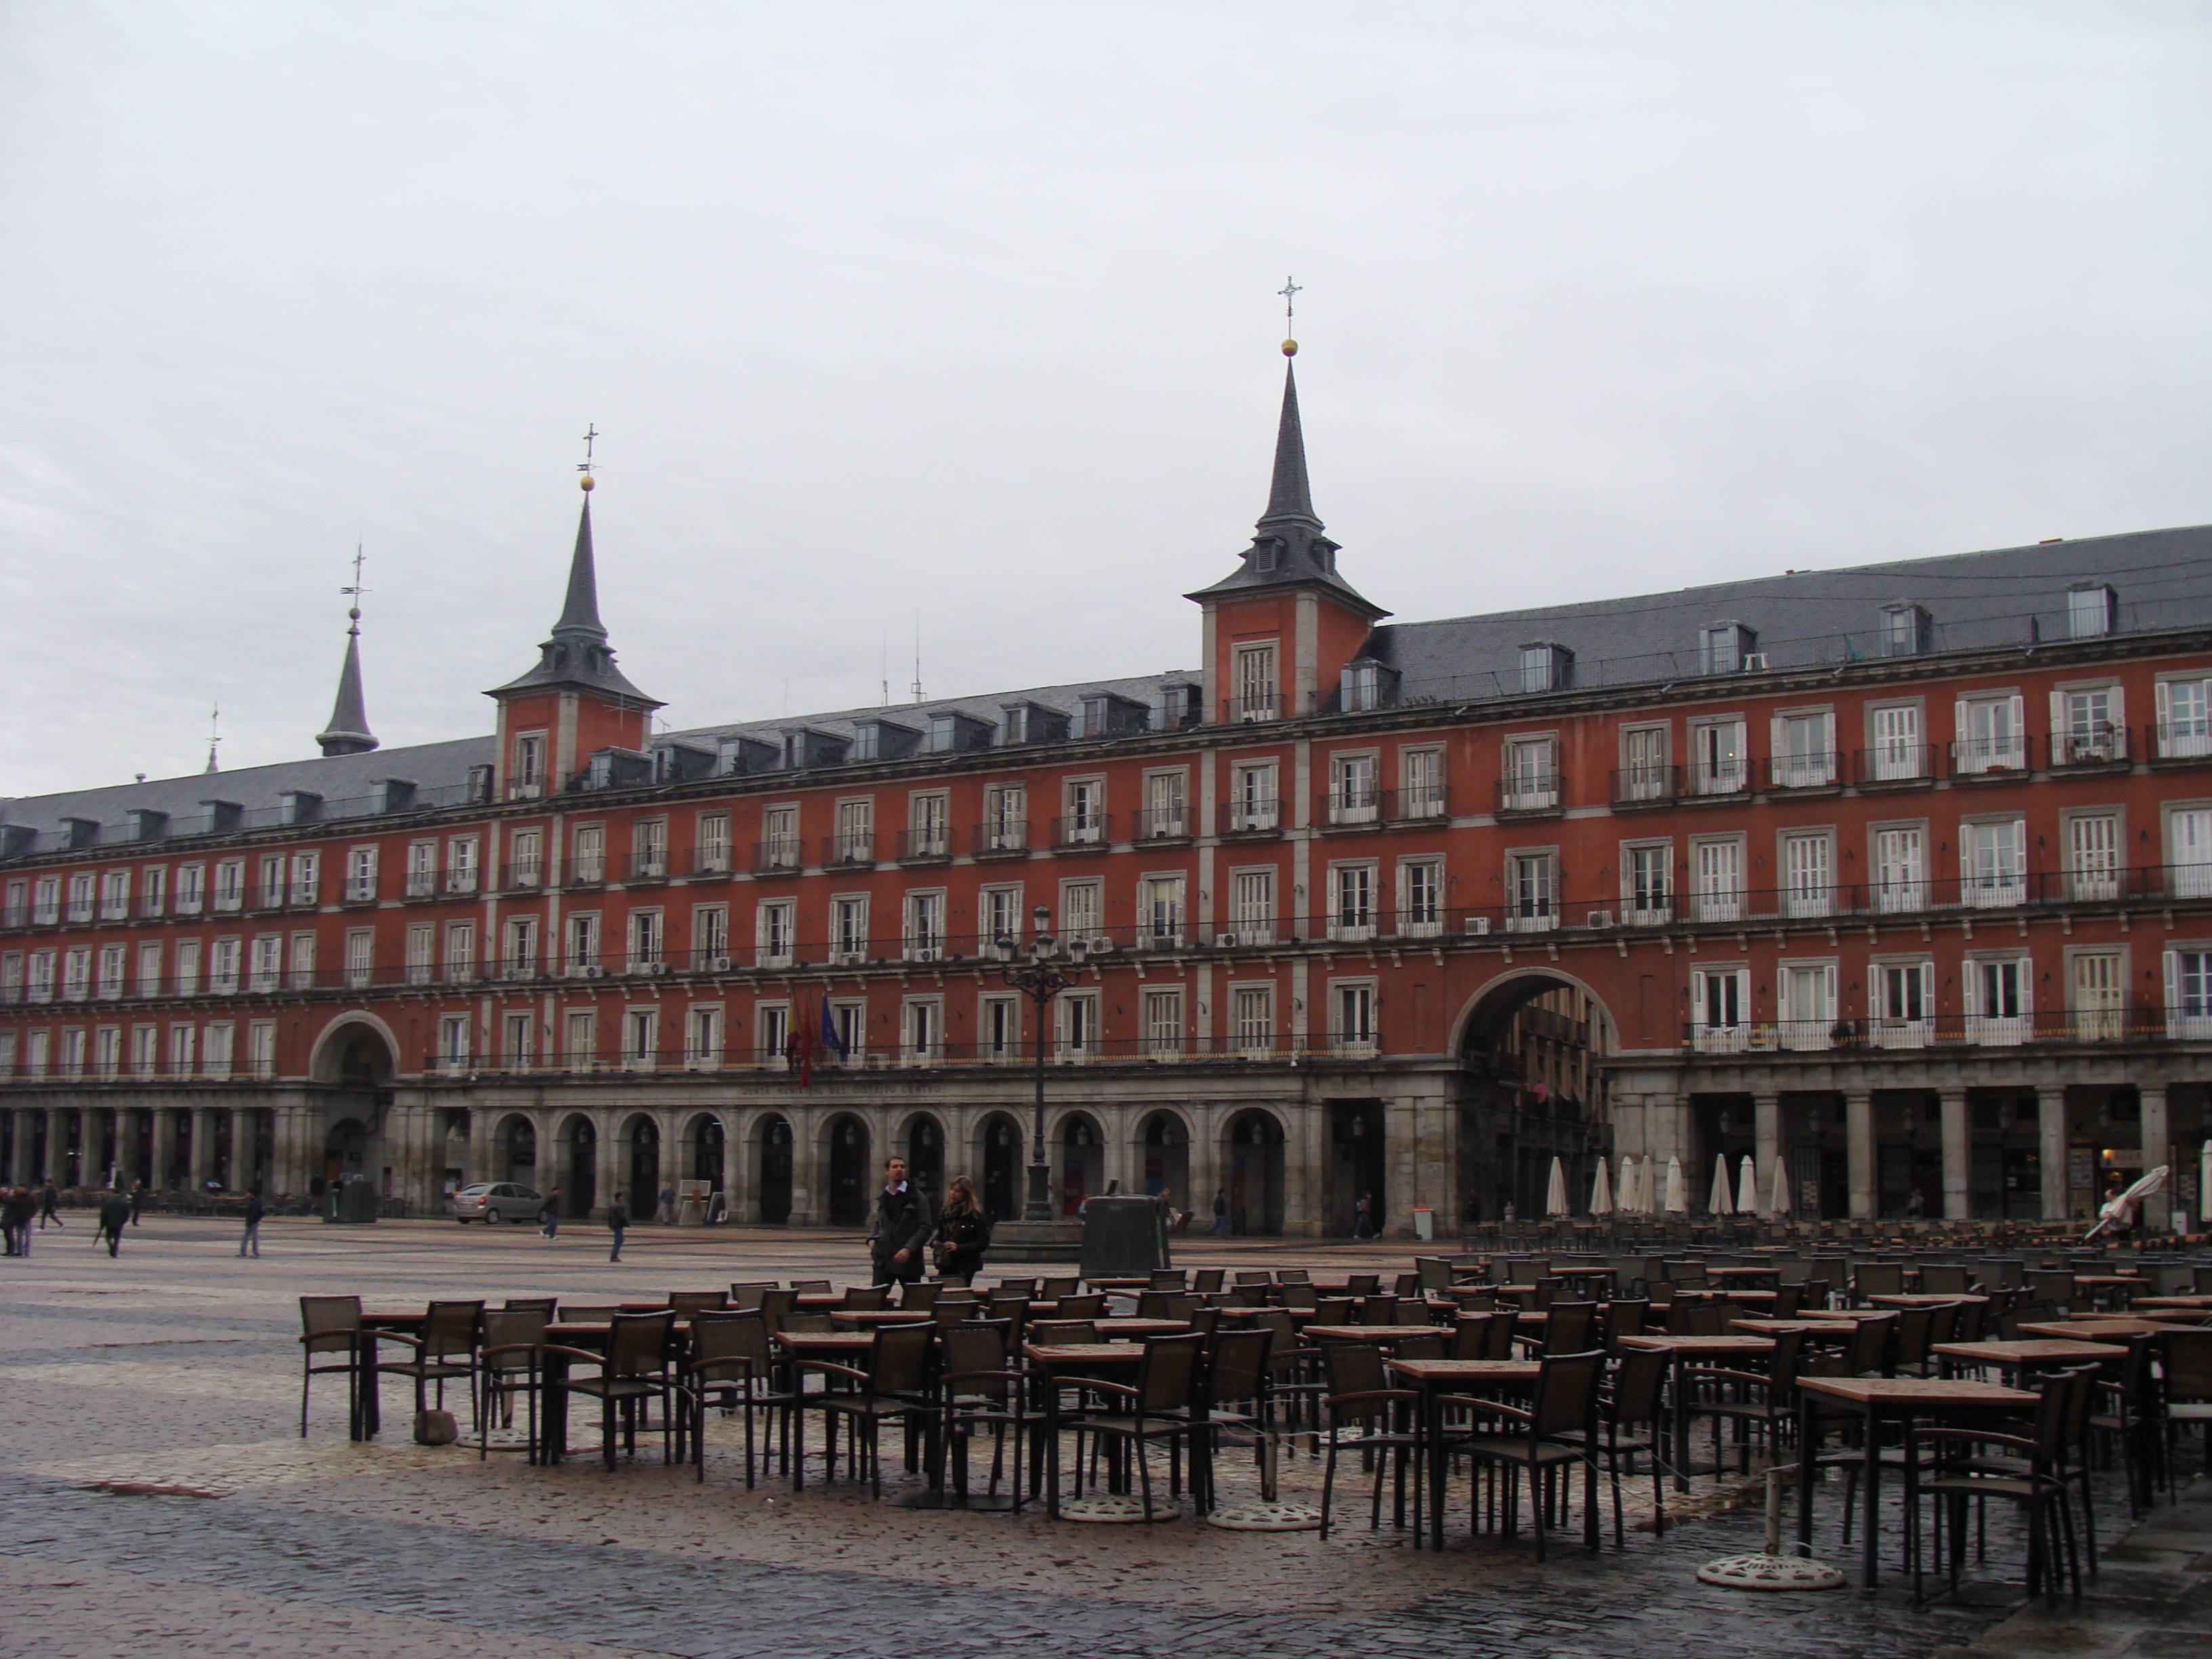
x=2091 y=1330
x=1681 y=1350
x=1385 y=1334
x=2201 y=1304
x=1435 y=1378
x=868 y=1318
x=2021 y=1359
x=1068 y=1362
x=1878 y=1399
x=1922 y=1299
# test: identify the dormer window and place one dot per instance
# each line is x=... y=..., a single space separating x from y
x=1546 y=667
x=2090 y=610
x=1366 y=684
x=1723 y=648
x=1264 y=556
x=1905 y=630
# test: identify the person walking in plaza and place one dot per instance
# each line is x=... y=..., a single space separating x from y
x=898 y=1230
x=1364 y=1223
x=1220 y=1227
x=249 y=1241
x=137 y=1201
x=665 y=1215
x=17 y=1208
x=617 y=1223
x=964 y=1233
x=548 y=1215
x=114 y=1216
x=47 y=1199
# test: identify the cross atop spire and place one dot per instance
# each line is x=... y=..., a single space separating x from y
x=348 y=732
x=578 y=654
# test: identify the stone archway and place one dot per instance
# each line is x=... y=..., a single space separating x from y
x=1078 y=1162
x=514 y=1151
x=1531 y=1091
x=771 y=1141
x=849 y=1162
x=579 y=1165
x=641 y=1168
x=999 y=1155
x=921 y=1143
x=1252 y=1157
x=1163 y=1158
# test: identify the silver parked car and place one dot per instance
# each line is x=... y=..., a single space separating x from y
x=494 y=1201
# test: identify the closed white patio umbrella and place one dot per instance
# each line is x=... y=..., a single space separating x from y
x=1627 y=1204
x=1601 y=1189
x=1647 y=1196
x=1678 y=1197
x=1777 y=1202
x=1746 y=1187
x=1723 y=1202
x=2118 y=1211
x=1555 y=1194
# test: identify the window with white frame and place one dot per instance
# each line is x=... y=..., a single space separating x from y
x=1647 y=883
x=641 y=1038
x=306 y=879
x=261 y=1048
x=645 y=941
x=1351 y=901
x=1251 y=1020
x=2189 y=851
x=461 y=953
x=46 y=901
x=2189 y=992
x=1719 y=764
x=361 y=875
x=921 y=1033
x=11 y=977
x=1645 y=773
x=518 y=948
x=422 y=868
x=1351 y=1016
x=928 y=826
x=1720 y=1010
x=1160 y=1019
x=711 y=843
x=703 y=1040
x=421 y=952
x=7 y=1053
x=1354 y=794
x=183 y=1051
x=1532 y=892
x=115 y=895
x=1725 y=648
x=1532 y=774
x=461 y=869
x=230 y=885
x=1083 y=814
x=1999 y=998
x=270 y=890
x=1075 y=1025
x=588 y=862
x=773 y=930
x=1806 y=995
x=153 y=890
x=924 y=926
x=999 y=1026
x=580 y=1039
x=360 y=957
x=76 y=973
x=1900 y=867
x=188 y=967
x=772 y=1033
x=145 y=1049
x=518 y=1033
x=1160 y=912
x=1905 y=630
x=1082 y=910
x=525 y=858
x=1254 y=800
x=779 y=849
x=2096 y=984
x=73 y=1052
x=1993 y=862
x=2185 y=719
x=1899 y=747
x=300 y=975
x=40 y=985
x=526 y=777
x=216 y=1051
x=1992 y=734
x=848 y=928
x=2092 y=856
x=1808 y=874
x=2088 y=725
x=1421 y=792
x=1165 y=813
x=1006 y=818
x=855 y=840
x=1717 y=879
x=1903 y=995
x=648 y=849
x=710 y=937
x=1251 y=673
x=191 y=889
x=849 y=1033
x=454 y=1041
x=37 y=1051
x=112 y=960
x=108 y=1051
x=150 y=969
x=998 y=916
x=1420 y=899
x=224 y=961
x=2090 y=611
x=80 y=905
x=1804 y=750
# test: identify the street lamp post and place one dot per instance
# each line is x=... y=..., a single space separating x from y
x=1034 y=970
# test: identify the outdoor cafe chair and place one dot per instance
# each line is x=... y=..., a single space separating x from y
x=1567 y=1327
x=1379 y=1310
x=2187 y=1361
x=1060 y=1332
x=867 y=1298
x=1206 y=1280
x=1752 y=1402
x=1024 y=1288
x=1293 y=1276
x=732 y=1365
x=329 y=1325
x=1385 y=1429
x=547 y=1305
x=447 y=1351
x=1877 y=1279
x=1092 y=1306
x=2126 y=1413
x=1945 y=1279
x=632 y=1372
x=1160 y=1406
x=511 y=1363
x=918 y=1298
x=1558 y=1431
x=893 y=1386
x=1411 y=1310
x=1624 y=1316
x=980 y=1388
x=2027 y=1470
x=684 y=1303
x=1167 y=1279
x=1262 y=1276
x=1631 y=1409
x=812 y=1286
x=1054 y=1290
x=1300 y=1297
x=1333 y=1310
x=1359 y=1284
x=746 y=1298
x=1295 y=1383
x=1230 y=1396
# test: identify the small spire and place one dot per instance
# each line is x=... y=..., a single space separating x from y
x=215 y=735
x=348 y=732
x=579 y=612
x=1290 y=496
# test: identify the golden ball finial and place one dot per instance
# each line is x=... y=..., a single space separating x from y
x=585 y=482
x=1290 y=347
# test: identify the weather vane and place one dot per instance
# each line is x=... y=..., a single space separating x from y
x=1290 y=291
x=353 y=611
x=591 y=437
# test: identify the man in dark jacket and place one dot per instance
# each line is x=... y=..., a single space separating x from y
x=617 y=1223
x=899 y=1229
x=114 y=1216
x=47 y=1199
x=137 y=1201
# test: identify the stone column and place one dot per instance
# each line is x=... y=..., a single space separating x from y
x=808 y=1178
x=57 y=1151
x=2158 y=1208
x=201 y=1154
x=1958 y=1161
x=20 y=1173
x=483 y=1152
x=1858 y=1141
x=88 y=1172
x=1766 y=1147
x=240 y=1174
x=670 y=1160
x=165 y=1147
x=2053 y=1150
x=609 y=1176
x=131 y=1143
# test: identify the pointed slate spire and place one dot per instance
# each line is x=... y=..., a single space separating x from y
x=579 y=614
x=1290 y=496
x=578 y=654
x=348 y=732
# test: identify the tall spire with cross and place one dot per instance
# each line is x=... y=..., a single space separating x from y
x=348 y=732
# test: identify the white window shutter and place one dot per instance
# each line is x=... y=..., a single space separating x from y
x=1828 y=980
x=2161 y=706
x=2020 y=848
x=2019 y=718
x=2057 y=714
x=1961 y=721
x=1698 y=996
x=2172 y=992
x=2026 y=985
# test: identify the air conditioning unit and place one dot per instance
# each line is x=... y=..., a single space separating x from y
x=719 y=964
x=1102 y=945
x=1225 y=941
x=1754 y=661
x=924 y=953
x=589 y=973
x=1478 y=924
x=654 y=968
x=1598 y=919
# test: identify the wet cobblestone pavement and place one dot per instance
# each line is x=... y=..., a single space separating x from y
x=155 y=1497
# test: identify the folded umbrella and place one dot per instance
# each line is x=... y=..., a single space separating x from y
x=1746 y=1187
x=1555 y=1193
x=1678 y=1199
x=1778 y=1201
x=1601 y=1189
x=1723 y=1203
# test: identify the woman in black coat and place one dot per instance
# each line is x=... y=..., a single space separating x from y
x=964 y=1233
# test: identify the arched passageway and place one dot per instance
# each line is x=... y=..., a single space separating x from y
x=849 y=1190
x=1530 y=1092
x=1252 y=1156
x=999 y=1156
x=772 y=1169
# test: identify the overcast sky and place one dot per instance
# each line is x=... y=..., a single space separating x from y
x=966 y=312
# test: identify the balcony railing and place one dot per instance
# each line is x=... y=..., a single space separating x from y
x=2104 y=746
x=849 y=848
x=778 y=857
x=708 y=861
x=1352 y=807
x=1649 y=784
x=930 y=844
x=1896 y=763
x=1164 y=824
x=1534 y=792
x=522 y=877
x=1245 y=711
x=1731 y=776
x=1002 y=838
x=2139 y=1023
x=1975 y=757
x=1261 y=816
x=586 y=870
x=1085 y=830
x=1820 y=771
x=2179 y=740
